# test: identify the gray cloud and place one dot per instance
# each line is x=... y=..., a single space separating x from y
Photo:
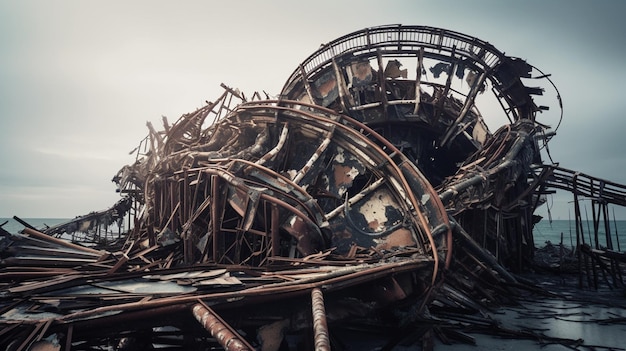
x=79 y=80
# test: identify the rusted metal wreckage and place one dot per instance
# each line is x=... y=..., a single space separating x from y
x=366 y=200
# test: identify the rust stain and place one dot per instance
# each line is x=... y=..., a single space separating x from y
x=374 y=225
x=326 y=87
x=362 y=71
x=398 y=238
x=343 y=175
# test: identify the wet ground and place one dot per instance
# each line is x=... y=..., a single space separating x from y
x=558 y=315
x=571 y=319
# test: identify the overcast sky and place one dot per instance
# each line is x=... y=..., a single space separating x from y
x=80 y=79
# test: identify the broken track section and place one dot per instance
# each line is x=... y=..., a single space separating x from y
x=367 y=200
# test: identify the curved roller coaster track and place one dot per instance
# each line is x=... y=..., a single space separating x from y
x=369 y=198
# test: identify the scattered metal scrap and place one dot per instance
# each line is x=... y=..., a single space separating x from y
x=367 y=199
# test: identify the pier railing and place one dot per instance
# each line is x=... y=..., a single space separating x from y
x=601 y=254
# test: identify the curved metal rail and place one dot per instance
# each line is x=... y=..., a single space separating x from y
x=586 y=185
x=435 y=43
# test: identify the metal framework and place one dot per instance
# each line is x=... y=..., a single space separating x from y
x=292 y=223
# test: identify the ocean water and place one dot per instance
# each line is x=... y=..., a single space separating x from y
x=543 y=231
x=551 y=231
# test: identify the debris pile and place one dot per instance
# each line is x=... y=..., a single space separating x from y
x=368 y=202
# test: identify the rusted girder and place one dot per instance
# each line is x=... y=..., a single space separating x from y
x=219 y=329
x=320 y=327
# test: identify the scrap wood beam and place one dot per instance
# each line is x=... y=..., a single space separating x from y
x=44 y=237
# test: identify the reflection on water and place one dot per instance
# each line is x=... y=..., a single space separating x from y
x=570 y=319
x=594 y=324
